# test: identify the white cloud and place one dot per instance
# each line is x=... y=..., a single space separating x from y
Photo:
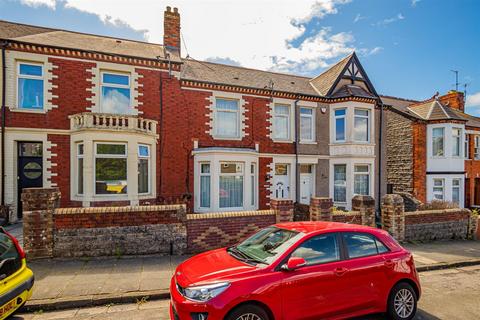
x=255 y=34
x=473 y=100
x=414 y=2
x=358 y=17
x=36 y=3
x=396 y=18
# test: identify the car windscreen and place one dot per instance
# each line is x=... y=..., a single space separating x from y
x=268 y=244
x=10 y=260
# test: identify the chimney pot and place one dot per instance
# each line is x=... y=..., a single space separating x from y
x=175 y=10
x=169 y=9
x=454 y=99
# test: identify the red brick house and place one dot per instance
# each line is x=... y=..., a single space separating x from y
x=431 y=149
x=119 y=122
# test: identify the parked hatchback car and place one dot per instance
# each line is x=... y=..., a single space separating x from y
x=299 y=270
x=16 y=279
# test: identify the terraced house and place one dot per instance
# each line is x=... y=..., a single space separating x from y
x=432 y=149
x=119 y=122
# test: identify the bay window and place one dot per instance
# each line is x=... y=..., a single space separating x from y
x=362 y=180
x=307 y=124
x=110 y=168
x=281 y=129
x=80 y=155
x=205 y=187
x=227 y=118
x=340 y=183
x=438 y=142
x=456 y=141
x=30 y=86
x=361 y=125
x=231 y=185
x=143 y=169
x=438 y=189
x=115 y=93
x=456 y=191
x=340 y=125
x=467 y=146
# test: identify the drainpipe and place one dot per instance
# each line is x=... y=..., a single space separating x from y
x=4 y=78
x=380 y=148
x=297 y=169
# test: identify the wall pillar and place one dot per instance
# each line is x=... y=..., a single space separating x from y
x=393 y=216
x=283 y=210
x=321 y=209
x=39 y=205
x=366 y=206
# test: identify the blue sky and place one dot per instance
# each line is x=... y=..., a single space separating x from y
x=407 y=47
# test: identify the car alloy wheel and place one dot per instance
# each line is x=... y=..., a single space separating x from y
x=404 y=303
x=249 y=316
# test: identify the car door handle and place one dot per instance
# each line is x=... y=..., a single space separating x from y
x=389 y=264
x=340 y=271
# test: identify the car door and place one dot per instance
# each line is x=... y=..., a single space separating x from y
x=365 y=271
x=317 y=289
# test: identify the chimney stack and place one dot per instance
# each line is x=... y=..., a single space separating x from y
x=171 y=29
x=454 y=99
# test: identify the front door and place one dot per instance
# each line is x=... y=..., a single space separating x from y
x=30 y=169
x=281 y=181
x=306 y=183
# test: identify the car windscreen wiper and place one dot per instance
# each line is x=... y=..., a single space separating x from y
x=243 y=256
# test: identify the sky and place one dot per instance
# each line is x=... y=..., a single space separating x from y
x=407 y=47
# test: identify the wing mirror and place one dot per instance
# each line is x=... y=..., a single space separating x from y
x=294 y=263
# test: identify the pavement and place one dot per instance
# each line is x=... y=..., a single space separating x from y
x=446 y=294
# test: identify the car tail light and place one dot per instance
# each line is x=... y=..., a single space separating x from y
x=21 y=253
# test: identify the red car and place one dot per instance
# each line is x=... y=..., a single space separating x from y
x=299 y=270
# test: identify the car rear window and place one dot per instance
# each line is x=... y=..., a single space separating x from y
x=363 y=245
x=10 y=260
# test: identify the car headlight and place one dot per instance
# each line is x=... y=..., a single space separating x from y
x=205 y=292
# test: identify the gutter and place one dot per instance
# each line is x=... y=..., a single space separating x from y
x=2 y=155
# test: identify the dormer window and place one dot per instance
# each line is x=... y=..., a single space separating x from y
x=115 y=93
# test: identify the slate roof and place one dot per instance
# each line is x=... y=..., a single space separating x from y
x=82 y=41
x=325 y=81
x=350 y=90
x=432 y=109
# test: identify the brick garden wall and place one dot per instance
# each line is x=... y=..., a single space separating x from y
x=214 y=230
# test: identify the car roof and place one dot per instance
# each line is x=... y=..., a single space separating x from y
x=309 y=227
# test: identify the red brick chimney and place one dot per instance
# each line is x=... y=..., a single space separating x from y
x=454 y=99
x=171 y=29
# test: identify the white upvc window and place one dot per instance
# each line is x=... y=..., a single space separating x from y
x=253 y=184
x=231 y=179
x=456 y=190
x=227 y=118
x=477 y=147
x=361 y=125
x=205 y=185
x=466 y=150
x=456 y=142
x=115 y=93
x=340 y=183
x=438 y=142
x=30 y=86
x=438 y=189
x=110 y=168
x=143 y=169
x=340 y=125
x=361 y=179
x=307 y=124
x=80 y=162
x=281 y=128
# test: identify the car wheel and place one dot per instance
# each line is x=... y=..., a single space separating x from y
x=402 y=303
x=248 y=312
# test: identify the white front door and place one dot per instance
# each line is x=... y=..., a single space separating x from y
x=281 y=181
x=306 y=183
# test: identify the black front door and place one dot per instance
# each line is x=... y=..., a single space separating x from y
x=30 y=169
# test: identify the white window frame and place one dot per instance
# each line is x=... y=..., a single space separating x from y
x=310 y=117
x=281 y=115
x=344 y=117
x=253 y=184
x=345 y=185
x=82 y=157
x=243 y=174
x=443 y=142
x=20 y=76
x=204 y=174
x=458 y=188
x=368 y=174
x=355 y=116
x=113 y=85
x=466 y=149
x=442 y=193
x=149 y=173
x=456 y=139
x=109 y=156
x=217 y=122
x=477 y=147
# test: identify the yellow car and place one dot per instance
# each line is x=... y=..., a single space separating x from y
x=16 y=279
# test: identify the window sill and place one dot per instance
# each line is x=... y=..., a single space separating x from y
x=282 y=141
x=227 y=138
x=21 y=110
x=308 y=142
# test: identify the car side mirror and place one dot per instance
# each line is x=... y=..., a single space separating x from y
x=294 y=263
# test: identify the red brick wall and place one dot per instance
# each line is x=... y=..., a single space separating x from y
x=61 y=168
x=211 y=233
x=435 y=217
x=264 y=182
x=419 y=161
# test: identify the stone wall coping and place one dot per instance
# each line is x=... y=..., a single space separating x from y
x=439 y=211
x=346 y=213
x=216 y=215
x=93 y=210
